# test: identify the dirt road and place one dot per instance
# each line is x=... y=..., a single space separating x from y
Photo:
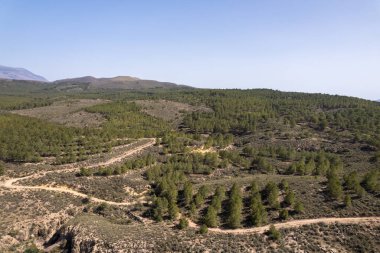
x=294 y=224
x=11 y=183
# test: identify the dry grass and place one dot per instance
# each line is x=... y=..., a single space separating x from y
x=68 y=112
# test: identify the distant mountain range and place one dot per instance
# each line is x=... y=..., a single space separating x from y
x=19 y=74
x=84 y=83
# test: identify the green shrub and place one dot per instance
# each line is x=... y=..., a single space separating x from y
x=347 y=201
x=273 y=233
x=203 y=229
x=299 y=207
x=183 y=223
x=284 y=214
x=32 y=249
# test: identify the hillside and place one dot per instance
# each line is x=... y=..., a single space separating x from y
x=120 y=82
x=184 y=170
x=19 y=74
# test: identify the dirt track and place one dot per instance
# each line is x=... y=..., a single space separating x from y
x=10 y=183
x=294 y=224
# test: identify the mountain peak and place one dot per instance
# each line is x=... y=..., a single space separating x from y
x=19 y=74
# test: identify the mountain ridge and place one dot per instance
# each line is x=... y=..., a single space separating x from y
x=12 y=73
x=118 y=82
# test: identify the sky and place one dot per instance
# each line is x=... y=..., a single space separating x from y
x=324 y=46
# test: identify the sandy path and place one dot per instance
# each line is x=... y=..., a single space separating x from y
x=293 y=224
x=10 y=183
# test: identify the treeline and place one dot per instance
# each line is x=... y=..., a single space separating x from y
x=25 y=139
x=316 y=164
x=302 y=162
x=194 y=163
x=137 y=163
x=352 y=184
x=18 y=102
x=243 y=112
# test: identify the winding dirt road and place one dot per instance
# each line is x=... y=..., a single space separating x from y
x=11 y=183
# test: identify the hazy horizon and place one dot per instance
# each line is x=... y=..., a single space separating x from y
x=323 y=46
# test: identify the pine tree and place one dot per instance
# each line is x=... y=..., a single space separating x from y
x=310 y=167
x=272 y=194
x=235 y=204
x=203 y=191
x=258 y=214
x=289 y=198
x=299 y=207
x=193 y=209
x=198 y=199
x=370 y=181
x=347 y=201
x=352 y=182
x=188 y=193
x=160 y=208
x=334 y=188
x=220 y=192
x=173 y=211
x=284 y=214
x=254 y=188
x=284 y=185
x=211 y=218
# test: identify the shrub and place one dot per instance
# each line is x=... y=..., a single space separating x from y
x=370 y=181
x=183 y=223
x=100 y=209
x=347 y=201
x=203 y=229
x=284 y=185
x=298 y=207
x=32 y=249
x=284 y=214
x=273 y=233
x=351 y=181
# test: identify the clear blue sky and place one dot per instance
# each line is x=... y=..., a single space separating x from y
x=329 y=46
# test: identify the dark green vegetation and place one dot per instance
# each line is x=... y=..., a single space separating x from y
x=230 y=159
